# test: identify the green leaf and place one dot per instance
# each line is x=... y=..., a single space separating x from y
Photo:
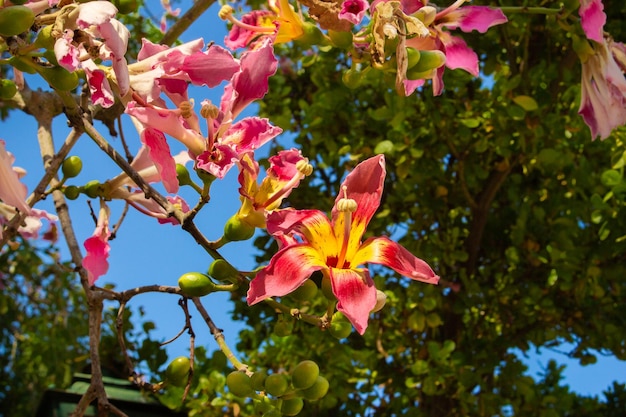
x=526 y=102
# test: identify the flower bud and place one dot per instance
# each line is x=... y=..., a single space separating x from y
x=221 y=270
x=381 y=299
x=318 y=390
x=15 y=20
x=195 y=284
x=236 y=229
x=177 y=372
x=72 y=166
x=341 y=40
x=239 y=384
x=182 y=174
x=312 y=35
x=8 y=89
x=93 y=189
x=305 y=374
x=292 y=406
x=59 y=78
x=428 y=61
x=71 y=192
x=413 y=57
x=45 y=39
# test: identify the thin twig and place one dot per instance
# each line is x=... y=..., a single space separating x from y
x=182 y=24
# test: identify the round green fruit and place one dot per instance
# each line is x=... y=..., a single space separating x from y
x=15 y=20
x=292 y=406
x=236 y=229
x=340 y=329
x=72 y=166
x=305 y=374
x=239 y=384
x=93 y=189
x=276 y=384
x=317 y=390
x=195 y=284
x=177 y=372
x=45 y=39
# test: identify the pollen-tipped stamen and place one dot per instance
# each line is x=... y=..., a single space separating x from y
x=210 y=112
x=347 y=206
x=304 y=169
x=226 y=13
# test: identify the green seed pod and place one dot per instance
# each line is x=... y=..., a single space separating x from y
x=72 y=166
x=93 y=189
x=305 y=292
x=221 y=270
x=317 y=390
x=177 y=372
x=305 y=374
x=7 y=89
x=59 y=78
x=195 y=284
x=236 y=229
x=239 y=384
x=292 y=406
x=71 y=192
x=276 y=384
x=15 y=20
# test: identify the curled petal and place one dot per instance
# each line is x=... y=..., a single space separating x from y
x=210 y=68
x=353 y=10
x=459 y=55
x=287 y=270
x=97 y=247
x=356 y=295
x=162 y=157
x=383 y=251
x=218 y=161
x=250 y=133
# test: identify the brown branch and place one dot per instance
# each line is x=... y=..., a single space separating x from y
x=182 y=24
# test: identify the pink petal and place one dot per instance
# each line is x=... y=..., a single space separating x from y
x=162 y=157
x=210 y=68
x=364 y=185
x=66 y=53
x=95 y=13
x=383 y=251
x=97 y=247
x=251 y=82
x=238 y=37
x=12 y=191
x=218 y=161
x=287 y=270
x=480 y=18
x=592 y=19
x=250 y=133
x=353 y=10
x=283 y=164
x=356 y=295
x=99 y=87
x=459 y=55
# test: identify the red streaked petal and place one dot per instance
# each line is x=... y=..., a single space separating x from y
x=365 y=186
x=287 y=270
x=384 y=251
x=480 y=18
x=312 y=224
x=356 y=294
x=592 y=19
x=161 y=155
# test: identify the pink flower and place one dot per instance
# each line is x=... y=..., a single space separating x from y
x=457 y=53
x=603 y=89
x=97 y=246
x=353 y=10
x=592 y=19
x=287 y=169
x=335 y=248
x=12 y=191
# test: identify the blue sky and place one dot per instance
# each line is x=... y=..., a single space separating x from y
x=146 y=253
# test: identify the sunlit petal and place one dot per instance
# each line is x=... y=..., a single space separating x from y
x=287 y=270
x=356 y=295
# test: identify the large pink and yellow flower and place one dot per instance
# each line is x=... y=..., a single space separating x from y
x=334 y=247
